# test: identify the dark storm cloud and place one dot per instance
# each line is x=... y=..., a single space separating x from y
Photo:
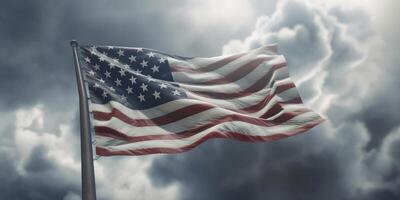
x=348 y=157
x=32 y=66
x=37 y=161
x=381 y=115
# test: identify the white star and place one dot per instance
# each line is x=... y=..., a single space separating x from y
x=123 y=97
x=144 y=63
x=156 y=95
x=161 y=60
x=112 y=65
x=139 y=49
x=118 y=82
x=87 y=59
x=155 y=68
x=108 y=74
x=122 y=72
x=103 y=57
x=91 y=72
x=133 y=79
x=144 y=87
x=104 y=94
x=132 y=58
x=176 y=93
x=112 y=89
x=141 y=97
x=96 y=67
x=120 y=52
x=93 y=50
x=102 y=81
x=96 y=85
x=151 y=54
x=163 y=85
x=129 y=90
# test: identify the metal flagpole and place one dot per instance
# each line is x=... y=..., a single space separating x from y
x=87 y=170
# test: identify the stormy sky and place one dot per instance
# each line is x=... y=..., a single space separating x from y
x=343 y=55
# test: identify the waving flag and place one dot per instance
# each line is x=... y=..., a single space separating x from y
x=144 y=101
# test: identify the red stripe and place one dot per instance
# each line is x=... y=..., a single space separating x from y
x=211 y=67
x=188 y=111
x=158 y=121
x=258 y=85
x=238 y=73
x=215 y=134
x=110 y=132
x=261 y=104
x=193 y=109
x=277 y=107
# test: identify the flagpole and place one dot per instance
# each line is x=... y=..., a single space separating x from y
x=87 y=170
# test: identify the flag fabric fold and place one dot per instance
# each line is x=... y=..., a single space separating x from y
x=143 y=101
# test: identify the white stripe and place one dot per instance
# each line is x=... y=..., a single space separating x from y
x=198 y=78
x=168 y=107
x=153 y=112
x=241 y=102
x=177 y=126
x=233 y=126
x=240 y=84
x=196 y=63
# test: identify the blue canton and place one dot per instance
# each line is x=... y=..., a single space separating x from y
x=135 y=77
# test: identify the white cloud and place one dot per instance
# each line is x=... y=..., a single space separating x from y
x=333 y=55
x=126 y=178
x=326 y=59
x=116 y=178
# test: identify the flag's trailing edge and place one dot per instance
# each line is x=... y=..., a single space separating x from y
x=144 y=102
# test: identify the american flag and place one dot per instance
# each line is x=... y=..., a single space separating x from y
x=143 y=101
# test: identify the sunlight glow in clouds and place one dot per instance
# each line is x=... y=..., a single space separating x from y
x=209 y=13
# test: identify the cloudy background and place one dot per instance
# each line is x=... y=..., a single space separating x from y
x=343 y=55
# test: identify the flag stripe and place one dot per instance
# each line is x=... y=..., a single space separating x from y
x=247 y=104
x=242 y=63
x=114 y=130
x=187 y=111
x=278 y=86
x=210 y=67
x=246 y=92
x=185 y=123
x=182 y=113
x=236 y=74
x=214 y=134
x=260 y=84
x=244 y=82
x=158 y=121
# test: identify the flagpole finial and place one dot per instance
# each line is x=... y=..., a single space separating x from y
x=73 y=43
